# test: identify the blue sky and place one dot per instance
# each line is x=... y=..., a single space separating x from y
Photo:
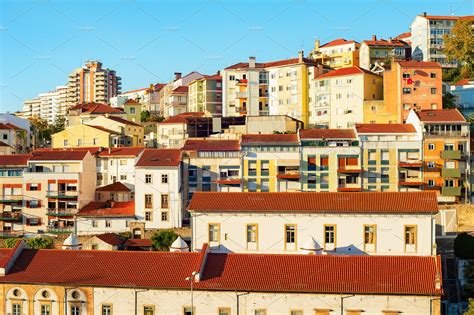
x=42 y=41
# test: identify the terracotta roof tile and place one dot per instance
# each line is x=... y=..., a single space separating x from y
x=103 y=129
x=60 y=155
x=338 y=42
x=463 y=82
x=133 y=91
x=138 y=242
x=339 y=202
x=398 y=275
x=386 y=43
x=111 y=239
x=14 y=159
x=344 y=71
x=440 y=17
x=108 y=209
x=385 y=128
x=403 y=35
x=123 y=121
x=160 y=157
x=284 y=62
x=114 y=187
x=181 y=118
x=269 y=138
x=180 y=90
x=132 y=101
x=211 y=145
x=327 y=134
x=5 y=127
x=96 y=108
x=3 y=144
x=441 y=115
x=12 y=126
x=418 y=64
x=122 y=152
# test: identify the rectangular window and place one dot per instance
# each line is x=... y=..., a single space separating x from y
x=106 y=309
x=329 y=234
x=45 y=309
x=324 y=162
x=433 y=75
x=406 y=90
x=410 y=235
x=296 y=312
x=252 y=233
x=148 y=216
x=224 y=311
x=148 y=179
x=433 y=90
x=261 y=312
x=290 y=236
x=164 y=201
x=16 y=308
x=75 y=310
x=164 y=216
x=148 y=201
x=187 y=310
x=214 y=230
x=164 y=178
x=148 y=310
x=369 y=234
x=108 y=223
x=252 y=168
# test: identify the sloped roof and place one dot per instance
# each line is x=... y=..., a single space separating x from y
x=211 y=145
x=418 y=64
x=441 y=115
x=324 y=202
x=463 y=82
x=63 y=155
x=108 y=209
x=386 y=43
x=345 y=71
x=338 y=42
x=97 y=108
x=181 y=118
x=160 y=157
x=123 y=121
x=278 y=63
x=122 y=152
x=114 y=187
x=102 y=129
x=111 y=239
x=15 y=159
x=138 y=242
x=385 y=128
x=269 y=138
x=327 y=134
x=180 y=90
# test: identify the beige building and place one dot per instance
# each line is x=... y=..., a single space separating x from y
x=131 y=134
x=85 y=136
x=173 y=96
x=336 y=54
x=84 y=113
x=205 y=95
x=49 y=106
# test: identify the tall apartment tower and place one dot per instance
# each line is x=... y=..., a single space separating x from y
x=92 y=83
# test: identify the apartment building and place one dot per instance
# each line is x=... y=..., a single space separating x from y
x=92 y=83
x=340 y=96
x=427 y=35
x=223 y=284
x=338 y=53
x=173 y=131
x=208 y=164
x=413 y=85
x=376 y=53
x=270 y=162
x=330 y=160
x=158 y=189
x=446 y=151
x=132 y=134
x=391 y=157
x=14 y=138
x=369 y=223
x=49 y=106
x=271 y=88
x=205 y=95
x=173 y=96
x=31 y=108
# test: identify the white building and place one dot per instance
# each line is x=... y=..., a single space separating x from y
x=340 y=223
x=158 y=188
x=463 y=90
x=48 y=106
x=221 y=284
x=105 y=217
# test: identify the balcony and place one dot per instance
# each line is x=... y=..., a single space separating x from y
x=410 y=164
x=55 y=212
x=451 y=191
x=11 y=216
x=412 y=182
x=349 y=188
x=350 y=169
x=289 y=175
x=62 y=194
x=451 y=172
x=11 y=198
x=451 y=154
x=241 y=95
x=66 y=230
x=242 y=82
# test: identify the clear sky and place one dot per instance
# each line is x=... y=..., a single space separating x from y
x=147 y=41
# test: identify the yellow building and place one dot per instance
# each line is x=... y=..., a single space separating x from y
x=336 y=54
x=205 y=95
x=84 y=113
x=270 y=162
x=133 y=110
x=85 y=136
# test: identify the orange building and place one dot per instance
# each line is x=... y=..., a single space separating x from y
x=446 y=151
x=413 y=85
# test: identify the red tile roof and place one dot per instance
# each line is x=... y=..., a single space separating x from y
x=137 y=90
x=131 y=101
x=285 y=62
x=386 y=43
x=160 y=157
x=217 y=77
x=62 y=155
x=14 y=159
x=123 y=121
x=325 y=202
x=5 y=127
x=96 y=108
x=180 y=90
x=108 y=209
x=211 y=145
x=138 y=242
x=441 y=115
x=181 y=118
x=103 y=129
x=12 y=126
x=463 y=82
x=418 y=64
x=403 y=35
x=114 y=187
x=440 y=17
x=269 y=138
x=385 y=128
x=338 y=42
x=122 y=152
x=111 y=239
x=327 y=134
x=345 y=71
x=397 y=275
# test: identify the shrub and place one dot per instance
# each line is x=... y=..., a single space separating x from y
x=10 y=242
x=40 y=242
x=163 y=239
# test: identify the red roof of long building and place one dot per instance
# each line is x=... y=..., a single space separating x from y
x=400 y=275
x=441 y=115
x=211 y=145
x=160 y=157
x=385 y=128
x=386 y=43
x=97 y=108
x=122 y=152
x=114 y=187
x=111 y=239
x=181 y=118
x=327 y=134
x=58 y=155
x=463 y=82
x=15 y=159
x=324 y=202
x=278 y=63
x=269 y=138
x=418 y=64
x=338 y=42
x=108 y=209
x=345 y=71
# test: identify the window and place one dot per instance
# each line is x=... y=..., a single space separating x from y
x=406 y=90
x=329 y=234
x=108 y=223
x=66 y=143
x=224 y=311
x=148 y=179
x=148 y=310
x=433 y=90
x=164 y=216
x=148 y=201
x=261 y=312
x=187 y=310
x=252 y=233
x=16 y=309
x=214 y=232
x=369 y=234
x=385 y=156
x=406 y=106
x=406 y=75
x=123 y=162
x=164 y=178
x=296 y=312
x=433 y=75
x=384 y=175
x=94 y=223
x=410 y=235
x=45 y=309
x=34 y=187
x=148 y=216
x=431 y=146
x=431 y=164
x=123 y=177
x=106 y=309
x=164 y=201
x=431 y=182
x=75 y=310
x=290 y=235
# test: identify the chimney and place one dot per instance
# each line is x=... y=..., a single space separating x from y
x=252 y=62
x=374 y=37
x=218 y=72
x=389 y=39
x=424 y=14
x=300 y=56
x=177 y=75
x=317 y=43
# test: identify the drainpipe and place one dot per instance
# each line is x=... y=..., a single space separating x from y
x=238 y=300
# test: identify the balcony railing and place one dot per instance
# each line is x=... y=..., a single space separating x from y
x=451 y=154
x=451 y=191
x=451 y=172
x=56 y=212
x=410 y=163
x=240 y=94
x=64 y=194
x=66 y=230
x=11 y=198
x=456 y=134
x=9 y=216
x=242 y=82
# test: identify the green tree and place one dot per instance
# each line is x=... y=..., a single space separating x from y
x=42 y=130
x=40 y=242
x=470 y=119
x=459 y=45
x=470 y=310
x=163 y=239
x=449 y=100
x=464 y=246
x=58 y=125
x=10 y=242
x=145 y=115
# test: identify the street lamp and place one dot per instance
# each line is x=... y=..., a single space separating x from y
x=191 y=278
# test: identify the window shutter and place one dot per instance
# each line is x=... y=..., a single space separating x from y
x=353 y=161
x=39 y=186
x=324 y=161
x=27 y=186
